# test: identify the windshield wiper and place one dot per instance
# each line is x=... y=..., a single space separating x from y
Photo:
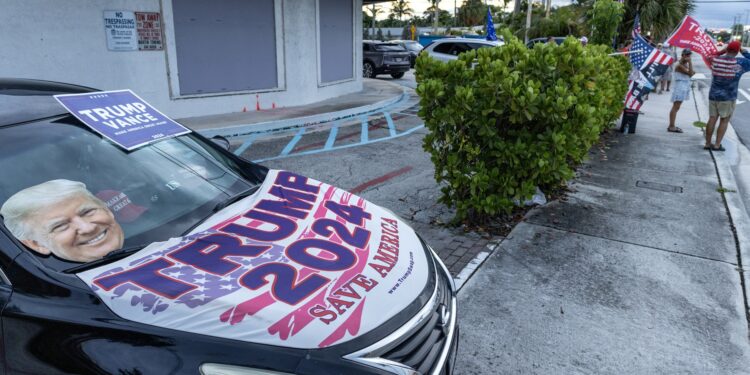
x=110 y=257
x=222 y=205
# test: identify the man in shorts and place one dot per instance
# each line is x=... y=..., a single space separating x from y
x=726 y=69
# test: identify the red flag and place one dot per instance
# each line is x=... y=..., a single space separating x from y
x=691 y=34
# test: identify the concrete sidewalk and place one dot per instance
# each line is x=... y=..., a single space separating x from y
x=635 y=272
x=375 y=95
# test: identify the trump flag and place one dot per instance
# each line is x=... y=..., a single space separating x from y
x=690 y=34
x=648 y=64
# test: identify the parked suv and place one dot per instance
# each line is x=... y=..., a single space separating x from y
x=384 y=58
x=413 y=47
x=449 y=49
x=220 y=266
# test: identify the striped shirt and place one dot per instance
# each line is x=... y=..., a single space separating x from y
x=726 y=76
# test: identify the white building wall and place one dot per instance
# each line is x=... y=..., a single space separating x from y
x=65 y=41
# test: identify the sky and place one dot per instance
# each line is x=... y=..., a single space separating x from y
x=718 y=15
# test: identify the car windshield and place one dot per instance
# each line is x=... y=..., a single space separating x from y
x=155 y=192
x=389 y=47
x=413 y=46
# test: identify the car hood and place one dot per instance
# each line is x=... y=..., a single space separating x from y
x=299 y=264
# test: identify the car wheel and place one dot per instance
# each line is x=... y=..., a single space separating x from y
x=397 y=75
x=368 y=71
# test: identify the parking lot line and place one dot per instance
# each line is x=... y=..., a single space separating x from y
x=290 y=146
x=317 y=151
x=332 y=135
x=365 y=132
x=245 y=145
x=391 y=127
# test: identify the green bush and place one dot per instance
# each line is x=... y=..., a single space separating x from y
x=504 y=120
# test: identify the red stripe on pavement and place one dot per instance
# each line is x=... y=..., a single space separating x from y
x=381 y=179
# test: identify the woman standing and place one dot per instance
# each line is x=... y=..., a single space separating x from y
x=682 y=73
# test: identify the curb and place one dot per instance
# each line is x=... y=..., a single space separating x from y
x=737 y=210
x=270 y=126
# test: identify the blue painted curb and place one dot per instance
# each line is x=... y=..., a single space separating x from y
x=270 y=126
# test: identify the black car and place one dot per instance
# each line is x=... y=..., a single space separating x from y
x=224 y=266
x=384 y=58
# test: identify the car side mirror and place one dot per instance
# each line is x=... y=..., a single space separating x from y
x=221 y=141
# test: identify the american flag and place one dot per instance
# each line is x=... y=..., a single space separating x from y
x=637 y=26
x=650 y=63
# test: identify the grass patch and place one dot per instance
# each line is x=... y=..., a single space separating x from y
x=725 y=190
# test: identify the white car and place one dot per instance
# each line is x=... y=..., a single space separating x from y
x=448 y=49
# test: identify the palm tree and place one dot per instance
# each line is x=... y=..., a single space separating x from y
x=401 y=8
x=660 y=17
x=436 y=10
x=374 y=11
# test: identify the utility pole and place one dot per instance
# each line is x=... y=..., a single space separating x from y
x=528 y=22
x=435 y=17
x=455 y=14
x=372 y=23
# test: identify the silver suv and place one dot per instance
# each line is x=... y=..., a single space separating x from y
x=449 y=49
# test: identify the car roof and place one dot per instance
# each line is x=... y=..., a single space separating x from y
x=24 y=100
x=466 y=40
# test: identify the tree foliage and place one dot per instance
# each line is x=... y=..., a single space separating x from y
x=604 y=18
x=401 y=8
x=658 y=17
x=504 y=120
x=472 y=13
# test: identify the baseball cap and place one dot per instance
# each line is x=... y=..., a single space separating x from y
x=122 y=207
x=687 y=51
x=734 y=46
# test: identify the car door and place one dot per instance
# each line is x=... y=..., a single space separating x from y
x=443 y=51
x=459 y=48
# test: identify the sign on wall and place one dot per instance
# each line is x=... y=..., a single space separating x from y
x=149 y=31
x=121 y=31
x=122 y=117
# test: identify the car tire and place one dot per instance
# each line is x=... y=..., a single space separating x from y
x=397 y=75
x=368 y=70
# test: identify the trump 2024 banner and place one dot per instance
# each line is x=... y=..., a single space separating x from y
x=690 y=34
x=122 y=117
x=298 y=264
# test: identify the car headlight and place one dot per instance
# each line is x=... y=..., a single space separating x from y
x=219 y=369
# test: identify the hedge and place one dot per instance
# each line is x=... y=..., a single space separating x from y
x=504 y=120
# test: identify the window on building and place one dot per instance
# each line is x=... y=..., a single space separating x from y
x=225 y=46
x=336 y=33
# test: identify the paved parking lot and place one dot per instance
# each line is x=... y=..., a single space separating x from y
x=378 y=156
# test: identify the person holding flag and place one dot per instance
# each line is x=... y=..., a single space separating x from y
x=727 y=69
x=682 y=85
